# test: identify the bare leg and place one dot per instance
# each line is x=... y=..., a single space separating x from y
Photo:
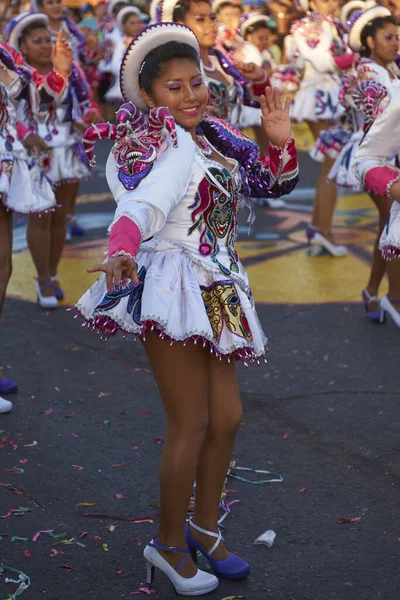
x=225 y=416
x=6 y=237
x=378 y=268
x=185 y=400
x=72 y=194
x=58 y=229
x=326 y=192
x=38 y=236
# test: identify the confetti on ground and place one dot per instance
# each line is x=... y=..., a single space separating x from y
x=105 y=547
x=34 y=443
x=27 y=554
x=267 y=538
x=285 y=436
x=118 y=496
x=138 y=370
x=39 y=533
x=47 y=412
x=143 y=590
x=75 y=435
x=302 y=491
x=232 y=597
x=118 y=465
x=23 y=581
x=276 y=478
x=16 y=538
x=348 y=520
x=68 y=567
x=77 y=467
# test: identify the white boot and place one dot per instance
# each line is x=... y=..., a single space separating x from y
x=5 y=406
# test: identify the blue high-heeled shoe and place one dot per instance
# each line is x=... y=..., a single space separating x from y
x=7 y=386
x=232 y=567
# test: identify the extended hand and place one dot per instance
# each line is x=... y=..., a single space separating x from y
x=275 y=117
x=34 y=142
x=251 y=71
x=116 y=270
x=61 y=56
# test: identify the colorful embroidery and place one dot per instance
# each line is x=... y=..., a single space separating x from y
x=222 y=304
x=134 y=294
x=215 y=215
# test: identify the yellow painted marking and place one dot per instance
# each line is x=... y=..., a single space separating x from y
x=292 y=277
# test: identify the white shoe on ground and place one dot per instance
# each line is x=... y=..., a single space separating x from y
x=5 y=406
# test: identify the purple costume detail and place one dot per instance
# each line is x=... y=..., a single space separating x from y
x=231 y=70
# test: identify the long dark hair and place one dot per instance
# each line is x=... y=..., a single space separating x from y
x=370 y=31
x=157 y=60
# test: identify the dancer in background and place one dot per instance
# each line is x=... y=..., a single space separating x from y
x=374 y=32
x=173 y=277
x=318 y=51
x=62 y=133
x=23 y=186
x=129 y=22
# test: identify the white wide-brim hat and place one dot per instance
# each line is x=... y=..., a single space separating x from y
x=350 y=7
x=253 y=20
x=167 y=10
x=127 y=10
x=154 y=4
x=111 y=5
x=361 y=21
x=150 y=38
x=17 y=26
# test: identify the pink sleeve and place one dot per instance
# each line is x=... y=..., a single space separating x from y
x=379 y=180
x=345 y=61
x=125 y=237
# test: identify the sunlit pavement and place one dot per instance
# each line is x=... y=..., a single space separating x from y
x=88 y=427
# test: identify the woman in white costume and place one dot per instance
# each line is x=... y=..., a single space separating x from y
x=317 y=49
x=173 y=278
x=378 y=95
x=62 y=133
x=129 y=22
x=255 y=31
x=23 y=186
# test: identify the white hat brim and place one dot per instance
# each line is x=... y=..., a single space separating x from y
x=167 y=10
x=25 y=21
x=150 y=38
x=348 y=8
x=253 y=21
x=216 y=5
x=153 y=9
x=367 y=16
x=127 y=10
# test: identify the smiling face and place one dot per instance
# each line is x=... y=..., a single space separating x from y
x=37 y=47
x=180 y=88
x=202 y=21
x=384 y=45
x=132 y=26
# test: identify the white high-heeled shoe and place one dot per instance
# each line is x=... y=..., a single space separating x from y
x=5 y=406
x=201 y=583
x=47 y=302
x=320 y=240
x=387 y=307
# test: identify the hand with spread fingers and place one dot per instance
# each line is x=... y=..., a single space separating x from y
x=117 y=270
x=275 y=117
x=61 y=56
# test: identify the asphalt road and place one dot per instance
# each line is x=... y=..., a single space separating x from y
x=87 y=427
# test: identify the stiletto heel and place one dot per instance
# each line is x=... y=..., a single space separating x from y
x=388 y=308
x=232 y=567
x=150 y=572
x=199 y=584
x=374 y=315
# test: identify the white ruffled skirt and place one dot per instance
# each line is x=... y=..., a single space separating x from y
x=390 y=239
x=317 y=99
x=180 y=299
x=342 y=172
x=23 y=187
x=69 y=163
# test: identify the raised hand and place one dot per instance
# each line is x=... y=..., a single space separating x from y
x=117 y=270
x=61 y=56
x=275 y=117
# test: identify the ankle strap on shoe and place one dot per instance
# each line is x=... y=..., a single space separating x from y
x=210 y=533
x=155 y=543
